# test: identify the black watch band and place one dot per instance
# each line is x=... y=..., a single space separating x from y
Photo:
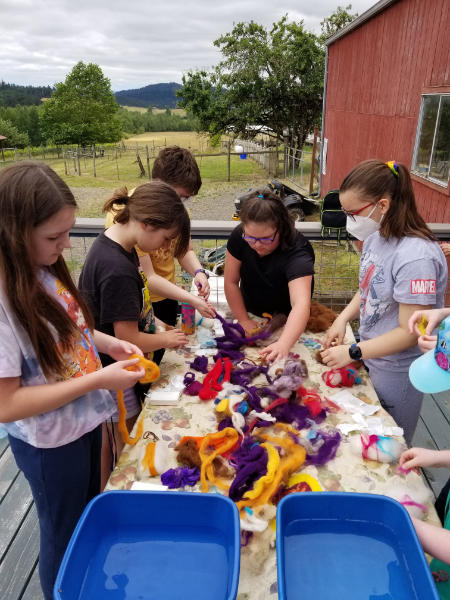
x=355 y=352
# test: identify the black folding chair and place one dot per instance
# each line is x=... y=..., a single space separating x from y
x=332 y=217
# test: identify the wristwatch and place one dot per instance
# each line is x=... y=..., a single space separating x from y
x=355 y=352
x=201 y=271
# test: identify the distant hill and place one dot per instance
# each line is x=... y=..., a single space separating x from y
x=25 y=95
x=160 y=95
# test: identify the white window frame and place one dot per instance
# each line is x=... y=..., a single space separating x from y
x=417 y=142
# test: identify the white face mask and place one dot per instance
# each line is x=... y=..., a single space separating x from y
x=362 y=227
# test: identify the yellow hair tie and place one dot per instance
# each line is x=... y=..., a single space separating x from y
x=393 y=167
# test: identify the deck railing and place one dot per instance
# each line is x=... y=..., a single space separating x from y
x=336 y=266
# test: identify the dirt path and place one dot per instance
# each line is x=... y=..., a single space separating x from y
x=215 y=201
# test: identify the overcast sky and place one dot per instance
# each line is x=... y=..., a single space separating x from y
x=135 y=42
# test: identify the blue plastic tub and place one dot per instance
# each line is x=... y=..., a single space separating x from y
x=345 y=545
x=153 y=545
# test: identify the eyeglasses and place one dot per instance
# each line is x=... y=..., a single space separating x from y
x=266 y=241
x=351 y=213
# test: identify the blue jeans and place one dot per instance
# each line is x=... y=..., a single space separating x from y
x=62 y=481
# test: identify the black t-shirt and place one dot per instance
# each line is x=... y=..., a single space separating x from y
x=113 y=287
x=264 y=280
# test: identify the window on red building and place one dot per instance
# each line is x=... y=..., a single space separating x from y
x=432 y=148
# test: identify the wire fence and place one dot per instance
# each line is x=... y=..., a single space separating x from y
x=125 y=161
x=336 y=266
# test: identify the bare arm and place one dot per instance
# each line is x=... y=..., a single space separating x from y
x=336 y=332
x=167 y=289
x=116 y=348
x=148 y=342
x=424 y=457
x=233 y=293
x=20 y=402
x=395 y=340
x=300 y=296
x=434 y=540
x=190 y=263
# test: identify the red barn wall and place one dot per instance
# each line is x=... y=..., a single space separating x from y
x=376 y=76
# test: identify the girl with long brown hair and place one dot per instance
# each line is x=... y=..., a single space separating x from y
x=53 y=391
x=402 y=269
x=115 y=287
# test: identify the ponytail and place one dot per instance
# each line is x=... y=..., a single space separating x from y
x=374 y=180
x=117 y=205
x=156 y=204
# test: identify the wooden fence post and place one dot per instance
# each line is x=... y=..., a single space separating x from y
x=93 y=160
x=78 y=161
x=148 y=162
x=229 y=161
x=117 y=164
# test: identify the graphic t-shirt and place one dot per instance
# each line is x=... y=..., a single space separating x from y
x=407 y=271
x=18 y=359
x=115 y=289
x=264 y=280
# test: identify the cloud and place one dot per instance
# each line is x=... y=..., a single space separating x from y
x=135 y=43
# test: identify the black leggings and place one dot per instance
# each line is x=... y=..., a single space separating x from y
x=441 y=501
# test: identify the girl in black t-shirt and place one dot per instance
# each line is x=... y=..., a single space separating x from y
x=269 y=267
x=114 y=284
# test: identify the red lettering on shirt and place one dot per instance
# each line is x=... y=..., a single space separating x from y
x=423 y=286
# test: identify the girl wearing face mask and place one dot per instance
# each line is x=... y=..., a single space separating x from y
x=402 y=269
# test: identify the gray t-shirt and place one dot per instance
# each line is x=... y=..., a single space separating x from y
x=407 y=271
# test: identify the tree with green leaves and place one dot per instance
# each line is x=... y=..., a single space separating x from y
x=82 y=110
x=336 y=21
x=272 y=79
x=14 y=137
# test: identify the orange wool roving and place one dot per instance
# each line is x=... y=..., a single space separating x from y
x=151 y=368
x=151 y=374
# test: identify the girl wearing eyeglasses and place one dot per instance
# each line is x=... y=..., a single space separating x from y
x=269 y=268
x=402 y=269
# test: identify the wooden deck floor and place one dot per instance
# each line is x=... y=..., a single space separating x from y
x=19 y=530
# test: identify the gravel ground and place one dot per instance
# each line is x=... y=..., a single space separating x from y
x=215 y=202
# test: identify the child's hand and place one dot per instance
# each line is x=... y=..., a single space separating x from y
x=432 y=316
x=206 y=309
x=250 y=326
x=335 y=334
x=427 y=342
x=419 y=457
x=122 y=350
x=202 y=283
x=275 y=351
x=336 y=357
x=117 y=377
x=174 y=338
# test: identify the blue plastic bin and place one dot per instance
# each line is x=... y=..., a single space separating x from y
x=344 y=545
x=153 y=545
